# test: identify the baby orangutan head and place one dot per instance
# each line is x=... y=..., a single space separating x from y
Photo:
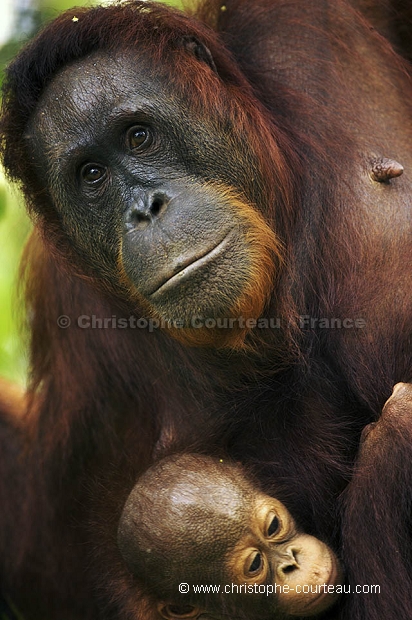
x=206 y=543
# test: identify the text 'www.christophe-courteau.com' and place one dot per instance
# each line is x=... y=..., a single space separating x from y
x=269 y=589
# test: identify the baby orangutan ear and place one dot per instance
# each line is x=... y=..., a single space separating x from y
x=200 y=51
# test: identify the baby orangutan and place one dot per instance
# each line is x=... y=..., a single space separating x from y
x=192 y=521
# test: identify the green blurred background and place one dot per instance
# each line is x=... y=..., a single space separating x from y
x=19 y=21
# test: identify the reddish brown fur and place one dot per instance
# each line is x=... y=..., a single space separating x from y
x=292 y=404
x=375 y=506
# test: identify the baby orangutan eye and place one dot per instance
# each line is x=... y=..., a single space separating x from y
x=254 y=565
x=274 y=525
x=175 y=612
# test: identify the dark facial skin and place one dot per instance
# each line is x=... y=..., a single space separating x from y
x=133 y=172
x=196 y=520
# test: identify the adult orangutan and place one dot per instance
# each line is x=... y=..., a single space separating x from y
x=221 y=263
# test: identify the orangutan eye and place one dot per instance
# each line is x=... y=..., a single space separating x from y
x=274 y=526
x=138 y=137
x=172 y=612
x=256 y=564
x=92 y=174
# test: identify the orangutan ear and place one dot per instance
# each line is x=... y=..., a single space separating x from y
x=200 y=51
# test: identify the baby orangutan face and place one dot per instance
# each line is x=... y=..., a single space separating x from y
x=272 y=552
x=192 y=522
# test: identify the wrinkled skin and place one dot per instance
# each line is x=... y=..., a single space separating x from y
x=169 y=226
